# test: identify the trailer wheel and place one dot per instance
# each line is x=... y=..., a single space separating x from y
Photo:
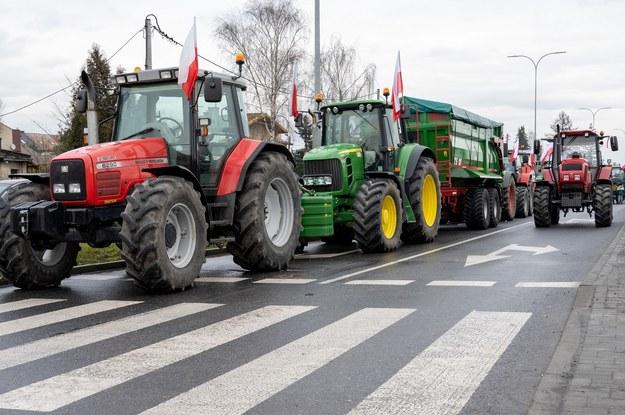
x=603 y=205
x=522 y=202
x=25 y=265
x=378 y=216
x=424 y=193
x=495 y=208
x=542 y=207
x=164 y=234
x=509 y=205
x=477 y=210
x=343 y=235
x=267 y=215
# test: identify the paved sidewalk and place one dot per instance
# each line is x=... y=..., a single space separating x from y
x=587 y=373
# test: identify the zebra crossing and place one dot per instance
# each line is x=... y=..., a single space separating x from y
x=439 y=379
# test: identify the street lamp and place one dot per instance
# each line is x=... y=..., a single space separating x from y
x=594 y=113
x=536 y=63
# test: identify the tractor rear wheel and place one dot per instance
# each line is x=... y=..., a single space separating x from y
x=424 y=193
x=26 y=265
x=542 y=207
x=603 y=205
x=267 y=215
x=164 y=234
x=378 y=216
x=477 y=210
x=495 y=208
x=509 y=205
x=343 y=235
x=522 y=202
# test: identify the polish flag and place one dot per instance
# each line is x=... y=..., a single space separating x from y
x=532 y=161
x=294 y=110
x=547 y=154
x=515 y=151
x=398 y=89
x=188 y=68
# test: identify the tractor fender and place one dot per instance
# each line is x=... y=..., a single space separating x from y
x=409 y=166
x=39 y=178
x=179 y=171
x=604 y=175
x=389 y=176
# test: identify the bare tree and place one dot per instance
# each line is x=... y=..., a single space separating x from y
x=270 y=33
x=343 y=77
x=564 y=121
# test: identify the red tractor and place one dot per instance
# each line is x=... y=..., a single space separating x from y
x=176 y=175
x=576 y=179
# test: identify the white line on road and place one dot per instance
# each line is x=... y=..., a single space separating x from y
x=285 y=281
x=551 y=284
x=31 y=302
x=57 y=316
x=58 y=391
x=228 y=280
x=411 y=257
x=379 y=282
x=241 y=389
x=326 y=256
x=100 y=277
x=443 y=377
x=49 y=346
x=457 y=283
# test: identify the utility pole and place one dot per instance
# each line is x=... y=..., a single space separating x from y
x=148 y=43
x=317 y=50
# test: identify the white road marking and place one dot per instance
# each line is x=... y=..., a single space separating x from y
x=228 y=280
x=31 y=302
x=285 y=281
x=458 y=283
x=241 y=389
x=49 y=346
x=57 y=316
x=326 y=256
x=580 y=220
x=442 y=378
x=552 y=284
x=411 y=257
x=379 y=282
x=100 y=277
x=495 y=255
x=58 y=391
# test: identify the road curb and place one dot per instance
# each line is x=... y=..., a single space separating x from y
x=552 y=390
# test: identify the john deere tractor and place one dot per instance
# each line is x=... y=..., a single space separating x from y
x=366 y=183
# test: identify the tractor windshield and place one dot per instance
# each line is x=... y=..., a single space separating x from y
x=582 y=146
x=353 y=127
x=617 y=173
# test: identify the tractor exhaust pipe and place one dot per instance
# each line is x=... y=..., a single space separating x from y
x=86 y=103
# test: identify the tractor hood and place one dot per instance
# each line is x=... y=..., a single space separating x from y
x=334 y=151
x=134 y=149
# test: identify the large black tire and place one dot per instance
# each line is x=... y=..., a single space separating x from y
x=368 y=216
x=164 y=216
x=343 y=235
x=425 y=228
x=509 y=205
x=494 y=204
x=253 y=248
x=603 y=205
x=22 y=264
x=476 y=212
x=542 y=207
x=522 y=202
x=554 y=214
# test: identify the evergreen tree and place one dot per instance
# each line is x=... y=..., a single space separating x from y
x=522 y=139
x=74 y=123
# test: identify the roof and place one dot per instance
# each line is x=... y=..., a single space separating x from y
x=156 y=75
x=353 y=103
x=6 y=155
x=263 y=118
x=457 y=113
x=575 y=133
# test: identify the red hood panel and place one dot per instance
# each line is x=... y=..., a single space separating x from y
x=137 y=148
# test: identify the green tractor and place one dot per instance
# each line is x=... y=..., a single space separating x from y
x=365 y=182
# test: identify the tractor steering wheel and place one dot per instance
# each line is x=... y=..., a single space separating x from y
x=178 y=128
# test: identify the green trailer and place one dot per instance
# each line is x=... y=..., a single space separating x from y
x=468 y=157
x=367 y=184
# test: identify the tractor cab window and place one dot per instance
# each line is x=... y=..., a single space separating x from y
x=156 y=110
x=392 y=128
x=582 y=147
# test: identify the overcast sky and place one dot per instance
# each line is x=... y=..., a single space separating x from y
x=453 y=51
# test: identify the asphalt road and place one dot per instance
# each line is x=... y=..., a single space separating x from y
x=464 y=325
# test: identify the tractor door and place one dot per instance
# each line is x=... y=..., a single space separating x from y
x=391 y=141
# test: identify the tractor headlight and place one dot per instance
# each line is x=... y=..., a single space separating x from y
x=566 y=178
x=317 y=180
x=58 y=188
x=577 y=177
x=74 y=187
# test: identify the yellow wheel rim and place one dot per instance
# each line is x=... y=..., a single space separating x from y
x=388 y=217
x=429 y=201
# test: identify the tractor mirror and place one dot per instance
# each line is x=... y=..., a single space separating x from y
x=81 y=101
x=614 y=143
x=213 y=90
x=537 y=147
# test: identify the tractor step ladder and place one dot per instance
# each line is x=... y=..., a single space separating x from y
x=442 y=150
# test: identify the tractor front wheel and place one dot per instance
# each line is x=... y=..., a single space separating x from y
x=424 y=192
x=477 y=209
x=24 y=263
x=603 y=205
x=523 y=198
x=267 y=215
x=378 y=216
x=509 y=205
x=542 y=207
x=164 y=234
x=495 y=208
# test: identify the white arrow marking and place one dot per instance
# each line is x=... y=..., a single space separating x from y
x=493 y=256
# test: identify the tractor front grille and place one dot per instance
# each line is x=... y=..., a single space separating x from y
x=331 y=167
x=571 y=199
x=64 y=173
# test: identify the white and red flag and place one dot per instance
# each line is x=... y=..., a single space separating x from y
x=548 y=151
x=398 y=89
x=294 y=110
x=515 y=151
x=532 y=161
x=188 y=68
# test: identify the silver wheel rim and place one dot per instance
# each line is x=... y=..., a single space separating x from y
x=51 y=257
x=182 y=249
x=279 y=212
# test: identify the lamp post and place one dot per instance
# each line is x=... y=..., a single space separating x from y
x=594 y=113
x=536 y=63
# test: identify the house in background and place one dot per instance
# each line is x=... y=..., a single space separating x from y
x=260 y=124
x=40 y=147
x=12 y=160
